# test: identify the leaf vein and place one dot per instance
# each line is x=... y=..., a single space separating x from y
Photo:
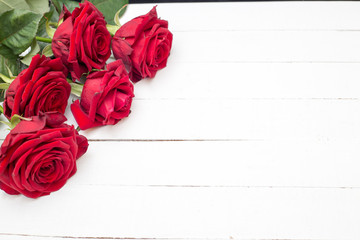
x=6 y=4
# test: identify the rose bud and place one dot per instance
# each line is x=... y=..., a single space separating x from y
x=82 y=40
x=41 y=87
x=106 y=97
x=144 y=43
x=39 y=155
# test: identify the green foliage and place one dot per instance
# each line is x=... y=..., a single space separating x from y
x=112 y=28
x=119 y=14
x=7 y=5
x=9 y=62
x=5 y=78
x=110 y=7
x=70 y=5
x=50 y=16
x=23 y=20
x=2 y=95
x=4 y=86
x=35 y=49
x=5 y=82
x=15 y=119
x=47 y=51
x=76 y=88
x=38 y=6
x=18 y=29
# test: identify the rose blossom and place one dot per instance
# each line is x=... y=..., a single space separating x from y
x=39 y=155
x=82 y=40
x=106 y=97
x=41 y=87
x=144 y=43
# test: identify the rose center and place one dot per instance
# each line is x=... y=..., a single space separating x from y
x=159 y=54
x=100 y=43
x=46 y=169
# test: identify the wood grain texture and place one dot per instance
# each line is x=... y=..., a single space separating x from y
x=234 y=119
x=252 y=81
x=264 y=16
x=266 y=46
x=163 y=212
x=275 y=164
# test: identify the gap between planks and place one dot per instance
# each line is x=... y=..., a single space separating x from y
x=267 y=30
x=223 y=186
x=269 y=61
x=175 y=140
x=254 y=99
x=31 y=236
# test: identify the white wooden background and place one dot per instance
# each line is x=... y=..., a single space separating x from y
x=251 y=132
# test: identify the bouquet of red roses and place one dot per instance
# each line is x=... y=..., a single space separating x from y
x=49 y=50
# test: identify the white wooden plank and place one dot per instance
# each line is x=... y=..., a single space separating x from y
x=229 y=163
x=255 y=83
x=203 y=99
x=262 y=46
x=252 y=80
x=162 y=212
x=254 y=15
x=280 y=164
x=236 y=119
x=42 y=237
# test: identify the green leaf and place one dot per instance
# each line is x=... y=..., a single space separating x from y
x=2 y=95
x=11 y=75
x=57 y=6
x=35 y=49
x=41 y=32
x=15 y=119
x=4 y=86
x=119 y=14
x=8 y=124
x=38 y=6
x=50 y=30
x=70 y=5
x=112 y=29
x=5 y=78
x=76 y=89
x=47 y=51
x=52 y=15
x=109 y=8
x=6 y=5
x=18 y=29
x=9 y=64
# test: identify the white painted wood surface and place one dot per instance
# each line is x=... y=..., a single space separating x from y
x=251 y=132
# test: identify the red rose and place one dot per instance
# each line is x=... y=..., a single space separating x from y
x=144 y=43
x=37 y=157
x=106 y=97
x=82 y=40
x=41 y=87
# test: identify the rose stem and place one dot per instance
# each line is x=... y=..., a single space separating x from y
x=41 y=39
